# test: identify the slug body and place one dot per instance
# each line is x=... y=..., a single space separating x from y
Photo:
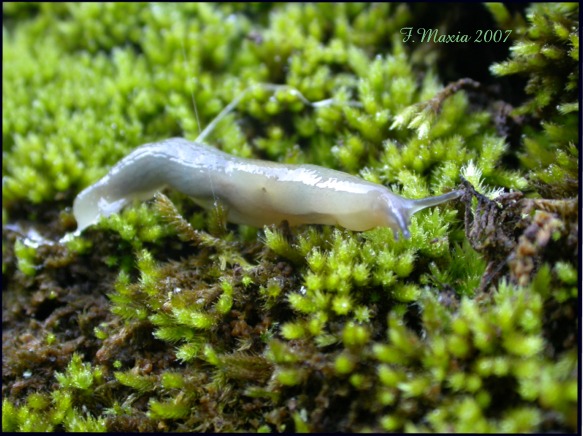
x=254 y=192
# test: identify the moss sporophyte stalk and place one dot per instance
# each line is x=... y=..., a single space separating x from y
x=165 y=316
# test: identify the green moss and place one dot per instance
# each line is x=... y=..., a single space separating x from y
x=26 y=258
x=550 y=37
x=57 y=412
x=214 y=327
x=140 y=383
x=546 y=51
x=79 y=375
x=173 y=409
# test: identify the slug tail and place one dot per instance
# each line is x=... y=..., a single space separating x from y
x=94 y=203
x=136 y=177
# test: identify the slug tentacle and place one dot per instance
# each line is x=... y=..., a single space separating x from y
x=254 y=192
x=415 y=206
x=410 y=207
x=434 y=201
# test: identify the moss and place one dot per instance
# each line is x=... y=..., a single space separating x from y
x=26 y=257
x=546 y=50
x=187 y=323
x=43 y=413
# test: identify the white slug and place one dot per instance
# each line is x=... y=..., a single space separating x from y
x=254 y=192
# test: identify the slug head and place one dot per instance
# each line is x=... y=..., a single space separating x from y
x=394 y=212
x=399 y=210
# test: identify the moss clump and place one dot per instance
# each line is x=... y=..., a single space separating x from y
x=26 y=256
x=187 y=323
x=546 y=51
x=58 y=412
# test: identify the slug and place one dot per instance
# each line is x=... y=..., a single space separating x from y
x=254 y=192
